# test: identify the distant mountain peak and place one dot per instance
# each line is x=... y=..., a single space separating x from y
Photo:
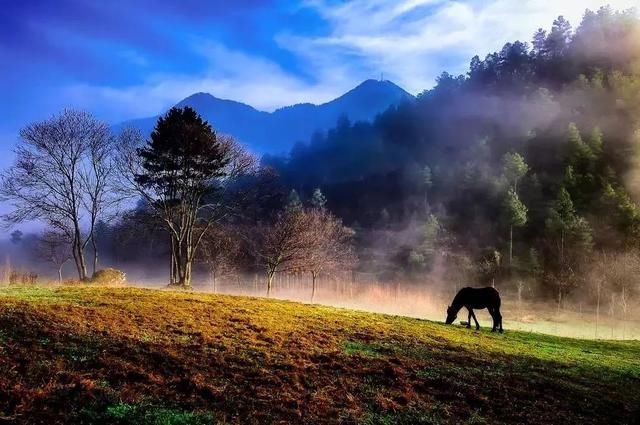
x=197 y=96
x=202 y=97
x=377 y=92
x=380 y=84
x=278 y=131
x=373 y=82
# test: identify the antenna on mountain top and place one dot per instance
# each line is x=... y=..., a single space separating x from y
x=382 y=76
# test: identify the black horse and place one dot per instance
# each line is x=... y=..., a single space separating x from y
x=477 y=298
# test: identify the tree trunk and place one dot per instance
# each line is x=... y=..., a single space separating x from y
x=94 y=245
x=314 y=275
x=598 y=310
x=78 y=257
x=510 y=245
x=173 y=269
x=83 y=264
x=74 y=254
x=623 y=300
x=188 y=268
x=270 y=275
x=213 y=281
x=188 y=259
x=426 y=203
x=60 y=273
x=80 y=260
x=559 y=297
x=181 y=273
x=562 y=247
x=520 y=287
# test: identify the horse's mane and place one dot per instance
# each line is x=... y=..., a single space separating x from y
x=457 y=299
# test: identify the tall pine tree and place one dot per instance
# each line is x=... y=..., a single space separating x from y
x=181 y=164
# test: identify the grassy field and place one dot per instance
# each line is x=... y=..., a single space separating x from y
x=135 y=356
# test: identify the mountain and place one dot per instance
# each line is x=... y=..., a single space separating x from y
x=278 y=131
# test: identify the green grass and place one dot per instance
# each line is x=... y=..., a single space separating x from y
x=410 y=417
x=116 y=355
x=135 y=414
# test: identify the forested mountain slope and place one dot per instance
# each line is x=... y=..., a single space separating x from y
x=523 y=170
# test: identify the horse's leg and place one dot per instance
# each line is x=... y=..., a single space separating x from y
x=469 y=318
x=476 y=320
x=499 y=318
x=492 y=312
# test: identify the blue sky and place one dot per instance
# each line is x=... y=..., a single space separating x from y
x=124 y=59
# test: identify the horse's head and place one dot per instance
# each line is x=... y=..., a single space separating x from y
x=451 y=315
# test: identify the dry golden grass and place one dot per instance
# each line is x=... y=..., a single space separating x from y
x=117 y=355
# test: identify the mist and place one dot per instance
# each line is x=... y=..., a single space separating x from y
x=426 y=193
x=577 y=319
x=426 y=298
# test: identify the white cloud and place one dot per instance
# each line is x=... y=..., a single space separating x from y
x=410 y=41
x=230 y=74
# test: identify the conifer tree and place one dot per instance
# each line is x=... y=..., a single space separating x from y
x=571 y=237
x=180 y=165
x=515 y=214
x=427 y=182
x=318 y=200
x=515 y=168
x=293 y=200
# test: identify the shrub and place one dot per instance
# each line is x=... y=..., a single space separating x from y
x=111 y=277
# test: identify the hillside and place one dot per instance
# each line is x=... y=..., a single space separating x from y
x=276 y=132
x=90 y=355
x=521 y=172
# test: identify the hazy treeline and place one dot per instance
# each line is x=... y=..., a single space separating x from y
x=521 y=173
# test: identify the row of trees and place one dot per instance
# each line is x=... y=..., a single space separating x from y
x=194 y=185
x=303 y=240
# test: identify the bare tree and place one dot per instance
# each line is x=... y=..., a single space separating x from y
x=281 y=246
x=55 y=247
x=490 y=266
x=616 y=273
x=329 y=249
x=300 y=240
x=220 y=252
x=97 y=184
x=60 y=177
x=137 y=229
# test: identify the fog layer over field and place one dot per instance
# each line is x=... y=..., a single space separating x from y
x=426 y=300
x=575 y=319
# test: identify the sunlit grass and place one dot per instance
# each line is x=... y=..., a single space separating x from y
x=190 y=354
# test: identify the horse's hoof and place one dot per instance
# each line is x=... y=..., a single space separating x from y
x=493 y=330
x=501 y=331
